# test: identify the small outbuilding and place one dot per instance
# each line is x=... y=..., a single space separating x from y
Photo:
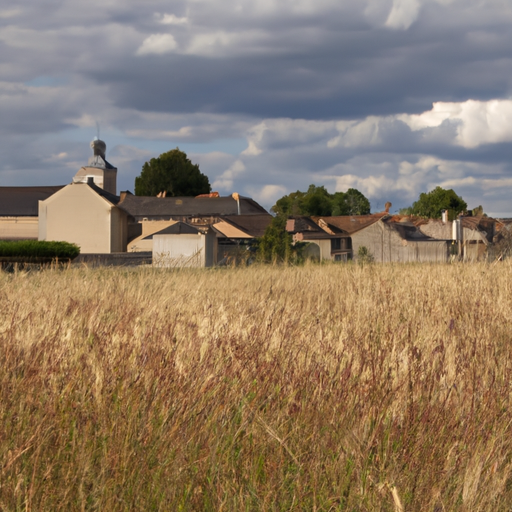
x=183 y=245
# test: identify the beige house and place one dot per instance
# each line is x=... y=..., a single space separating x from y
x=84 y=214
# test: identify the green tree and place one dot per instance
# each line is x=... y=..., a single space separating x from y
x=318 y=201
x=173 y=173
x=431 y=204
x=276 y=244
x=351 y=202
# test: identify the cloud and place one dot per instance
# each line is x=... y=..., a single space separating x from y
x=158 y=44
x=403 y=14
x=172 y=19
x=477 y=122
x=226 y=180
x=10 y=13
x=392 y=96
x=268 y=194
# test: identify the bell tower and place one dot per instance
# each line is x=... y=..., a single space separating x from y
x=102 y=172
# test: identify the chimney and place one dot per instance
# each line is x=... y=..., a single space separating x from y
x=444 y=216
x=90 y=180
x=236 y=197
x=387 y=206
x=123 y=194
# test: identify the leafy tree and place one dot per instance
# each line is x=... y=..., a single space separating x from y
x=276 y=244
x=431 y=204
x=351 y=202
x=318 y=201
x=173 y=173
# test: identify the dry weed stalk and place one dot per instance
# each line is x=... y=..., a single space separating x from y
x=261 y=388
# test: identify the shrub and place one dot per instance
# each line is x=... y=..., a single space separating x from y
x=34 y=249
x=364 y=255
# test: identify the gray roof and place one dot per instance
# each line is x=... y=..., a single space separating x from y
x=180 y=228
x=311 y=230
x=254 y=225
x=167 y=207
x=103 y=193
x=24 y=201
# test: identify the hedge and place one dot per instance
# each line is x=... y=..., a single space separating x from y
x=33 y=249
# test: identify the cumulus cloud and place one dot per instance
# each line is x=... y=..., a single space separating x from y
x=478 y=122
x=393 y=97
x=158 y=44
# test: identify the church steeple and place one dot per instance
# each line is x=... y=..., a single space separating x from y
x=102 y=172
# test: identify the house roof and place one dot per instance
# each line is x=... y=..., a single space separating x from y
x=178 y=228
x=338 y=225
x=24 y=201
x=253 y=226
x=144 y=206
x=103 y=193
x=311 y=230
x=351 y=223
x=407 y=230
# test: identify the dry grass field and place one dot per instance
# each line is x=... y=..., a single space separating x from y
x=335 y=387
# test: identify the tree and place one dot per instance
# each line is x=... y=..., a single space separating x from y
x=318 y=201
x=431 y=204
x=276 y=244
x=172 y=173
x=351 y=202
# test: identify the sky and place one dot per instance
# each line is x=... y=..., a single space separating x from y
x=392 y=97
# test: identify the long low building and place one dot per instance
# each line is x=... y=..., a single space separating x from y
x=19 y=216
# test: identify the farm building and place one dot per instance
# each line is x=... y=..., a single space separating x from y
x=476 y=234
x=384 y=238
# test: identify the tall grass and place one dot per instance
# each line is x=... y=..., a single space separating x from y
x=336 y=387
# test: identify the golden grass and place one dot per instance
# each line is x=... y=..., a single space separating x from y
x=335 y=387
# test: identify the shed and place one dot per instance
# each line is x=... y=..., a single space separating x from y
x=183 y=245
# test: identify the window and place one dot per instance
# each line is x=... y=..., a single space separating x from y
x=335 y=244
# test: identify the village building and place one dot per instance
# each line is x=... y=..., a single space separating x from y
x=384 y=237
x=325 y=241
x=182 y=245
x=86 y=215
x=89 y=213
x=19 y=211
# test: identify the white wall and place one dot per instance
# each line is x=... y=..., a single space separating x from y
x=184 y=250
